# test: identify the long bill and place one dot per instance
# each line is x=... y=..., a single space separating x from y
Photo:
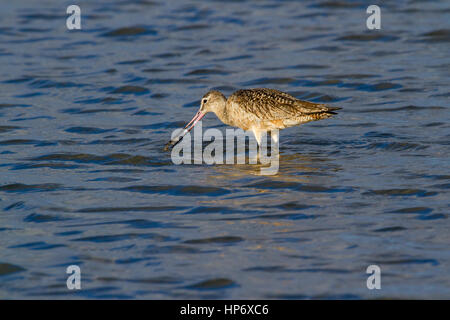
x=198 y=116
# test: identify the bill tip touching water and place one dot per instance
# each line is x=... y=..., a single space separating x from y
x=259 y=110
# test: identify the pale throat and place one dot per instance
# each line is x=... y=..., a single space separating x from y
x=221 y=113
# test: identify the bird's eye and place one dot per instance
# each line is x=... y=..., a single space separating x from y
x=205 y=100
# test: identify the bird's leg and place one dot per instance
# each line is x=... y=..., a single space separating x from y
x=274 y=135
x=257 y=134
x=274 y=147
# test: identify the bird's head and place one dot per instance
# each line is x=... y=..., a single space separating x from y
x=213 y=101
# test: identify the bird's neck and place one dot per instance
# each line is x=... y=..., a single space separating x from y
x=222 y=114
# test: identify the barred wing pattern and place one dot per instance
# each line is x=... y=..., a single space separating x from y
x=270 y=104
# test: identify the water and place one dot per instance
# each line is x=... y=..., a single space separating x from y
x=84 y=116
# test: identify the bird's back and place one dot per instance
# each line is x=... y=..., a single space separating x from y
x=277 y=107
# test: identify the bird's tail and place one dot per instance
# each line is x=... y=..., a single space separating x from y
x=327 y=112
x=331 y=110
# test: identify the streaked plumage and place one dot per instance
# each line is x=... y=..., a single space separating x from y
x=271 y=109
x=259 y=110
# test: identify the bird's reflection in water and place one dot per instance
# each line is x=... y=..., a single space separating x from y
x=297 y=168
x=301 y=182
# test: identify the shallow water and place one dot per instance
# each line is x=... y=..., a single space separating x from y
x=84 y=116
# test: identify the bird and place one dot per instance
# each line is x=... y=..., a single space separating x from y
x=259 y=110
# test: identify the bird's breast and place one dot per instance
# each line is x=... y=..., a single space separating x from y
x=236 y=116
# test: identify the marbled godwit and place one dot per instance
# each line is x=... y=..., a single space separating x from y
x=259 y=110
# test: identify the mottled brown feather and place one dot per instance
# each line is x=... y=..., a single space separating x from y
x=270 y=104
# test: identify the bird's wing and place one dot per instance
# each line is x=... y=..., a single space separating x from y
x=270 y=104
